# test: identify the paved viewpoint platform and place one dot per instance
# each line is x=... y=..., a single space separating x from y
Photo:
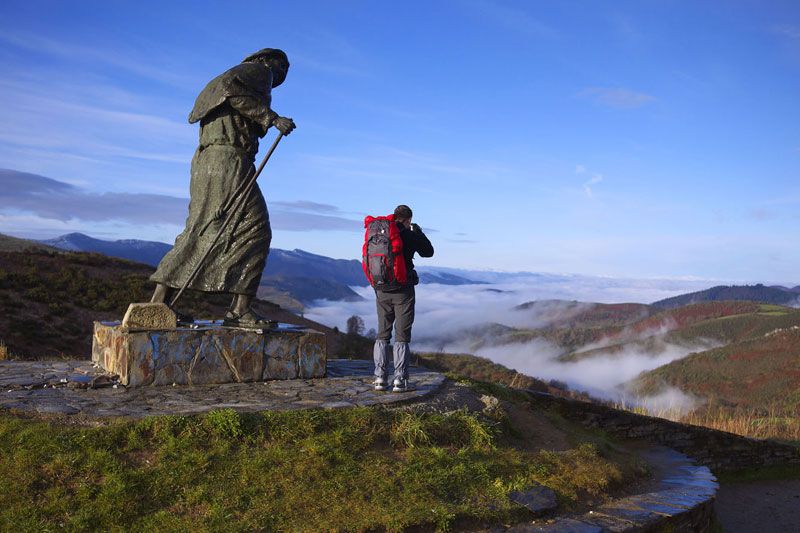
x=207 y=352
x=81 y=389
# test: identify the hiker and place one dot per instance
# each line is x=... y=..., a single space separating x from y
x=394 y=280
x=234 y=111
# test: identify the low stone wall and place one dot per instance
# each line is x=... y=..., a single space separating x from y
x=718 y=450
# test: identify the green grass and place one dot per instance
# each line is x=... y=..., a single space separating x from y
x=770 y=309
x=355 y=469
x=478 y=369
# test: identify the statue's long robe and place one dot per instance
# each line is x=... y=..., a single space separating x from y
x=234 y=112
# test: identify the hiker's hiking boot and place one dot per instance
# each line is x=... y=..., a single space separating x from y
x=402 y=385
x=381 y=384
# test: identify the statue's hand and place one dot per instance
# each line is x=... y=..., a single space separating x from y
x=285 y=125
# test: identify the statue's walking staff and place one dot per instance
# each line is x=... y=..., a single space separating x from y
x=229 y=210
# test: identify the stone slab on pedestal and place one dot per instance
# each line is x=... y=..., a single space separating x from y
x=149 y=316
x=207 y=353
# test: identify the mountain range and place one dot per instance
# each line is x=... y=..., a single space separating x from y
x=775 y=294
x=304 y=276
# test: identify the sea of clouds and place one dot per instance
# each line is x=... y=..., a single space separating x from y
x=444 y=312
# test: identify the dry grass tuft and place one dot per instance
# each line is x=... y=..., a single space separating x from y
x=770 y=423
x=773 y=422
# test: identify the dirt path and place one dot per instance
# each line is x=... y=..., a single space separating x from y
x=761 y=506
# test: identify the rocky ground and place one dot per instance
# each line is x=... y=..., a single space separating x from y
x=77 y=388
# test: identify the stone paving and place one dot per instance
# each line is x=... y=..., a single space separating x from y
x=80 y=389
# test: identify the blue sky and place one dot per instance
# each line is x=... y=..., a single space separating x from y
x=627 y=138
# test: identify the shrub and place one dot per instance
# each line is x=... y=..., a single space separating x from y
x=225 y=423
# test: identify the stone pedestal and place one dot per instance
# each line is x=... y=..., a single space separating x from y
x=207 y=353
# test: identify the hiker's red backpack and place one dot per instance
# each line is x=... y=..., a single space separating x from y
x=382 y=257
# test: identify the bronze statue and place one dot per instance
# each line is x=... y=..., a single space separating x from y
x=234 y=111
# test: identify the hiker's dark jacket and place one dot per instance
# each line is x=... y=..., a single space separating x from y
x=414 y=242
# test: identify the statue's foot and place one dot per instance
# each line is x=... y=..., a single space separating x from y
x=248 y=319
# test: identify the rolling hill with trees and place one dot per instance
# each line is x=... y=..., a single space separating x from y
x=739 y=353
x=754 y=293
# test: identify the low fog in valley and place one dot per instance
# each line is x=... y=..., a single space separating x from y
x=457 y=319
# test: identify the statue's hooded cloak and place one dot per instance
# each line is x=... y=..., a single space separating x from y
x=246 y=80
x=234 y=112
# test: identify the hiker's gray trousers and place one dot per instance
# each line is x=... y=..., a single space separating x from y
x=394 y=309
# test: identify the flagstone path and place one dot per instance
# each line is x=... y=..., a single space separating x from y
x=77 y=388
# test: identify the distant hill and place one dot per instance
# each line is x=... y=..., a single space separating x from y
x=49 y=299
x=755 y=293
x=444 y=278
x=14 y=244
x=298 y=263
x=761 y=372
x=303 y=276
x=563 y=313
x=281 y=263
x=308 y=290
x=147 y=252
x=736 y=352
x=696 y=326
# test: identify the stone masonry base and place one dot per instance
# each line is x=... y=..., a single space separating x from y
x=207 y=353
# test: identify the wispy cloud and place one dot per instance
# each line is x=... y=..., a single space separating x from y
x=294 y=221
x=400 y=168
x=53 y=199
x=594 y=179
x=511 y=18
x=92 y=134
x=47 y=198
x=126 y=60
x=305 y=215
x=762 y=214
x=328 y=52
x=616 y=97
x=305 y=205
x=787 y=30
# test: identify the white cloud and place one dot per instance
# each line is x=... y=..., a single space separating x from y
x=49 y=199
x=128 y=60
x=587 y=186
x=616 y=97
x=787 y=30
x=593 y=180
x=444 y=313
x=510 y=18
